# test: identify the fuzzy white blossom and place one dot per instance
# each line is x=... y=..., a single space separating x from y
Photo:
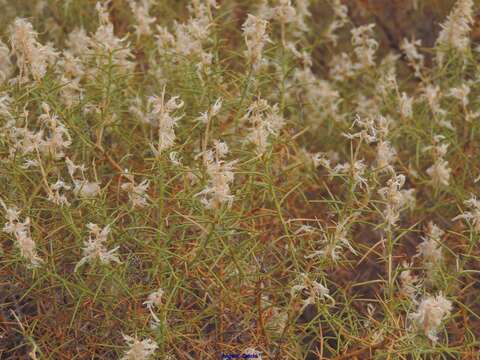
x=82 y=187
x=430 y=313
x=57 y=138
x=320 y=95
x=430 y=248
x=365 y=46
x=56 y=193
x=85 y=188
x=335 y=242
x=396 y=199
x=340 y=12
x=433 y=95
x=220 y=175
x=409 y=283
x=141 y=11
x=139 y=350
x=6 y=67
x=163 y=118
x=32 y=57
x=95 y=249
x=405 y=105
x=461 y=93
x=473 y=215
x=21 y=231
x=255 y=34
x=284 y=12
x=188 y=39
x=107 y=46
x=79 y=43
x=355 y=170
x=313 y=289
x=342 y=67
x=265 y=121
x=415 y=59
x=302 y=14
x=456 y=29
x=386 y=155
x=154 y=299
x=372 y=128
x=137 y=193
x=71 y=71
x=440 y=171
x=210 y=113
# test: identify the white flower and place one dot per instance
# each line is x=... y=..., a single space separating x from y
x=455 y=30
x=30 y=163
x=406 y=105
x=265 y=121
x=365 y=46
x=430 y=249
x=55 y=194
x=340 y=19
x=161 y=114
x=137 y=193
x=439 y=172
x=319 y=158
x=21 y=231
x=78 y=42
x=335 y=242
x=305 y=229
x=108 y=47
x=341 y=67
x=355 y=170
x=386 y=155
x=433 y=96
x=139 y=350
x=154 y=300
x=173 y=156
x=255 y=33
x=86 y=189
x=320 y=94
x=213 y=111
x=396 y=198
x=95 y=248
x=313 y=289
x=58 y=138
x=82 y=187
x=6 y=67
x=141 y=13
x=188 y=38
x=373 y=128
x=430 y=314
x=70 y=70
x=220 y=175
x=474 y=215
x=461 y=93
x=216 y=107
x=408 y=281
x=284 y=12
x=415 y=59
x=33 y=58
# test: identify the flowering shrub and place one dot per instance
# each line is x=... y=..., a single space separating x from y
x=185 y=179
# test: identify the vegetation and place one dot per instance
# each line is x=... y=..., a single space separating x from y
x=192 y=179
